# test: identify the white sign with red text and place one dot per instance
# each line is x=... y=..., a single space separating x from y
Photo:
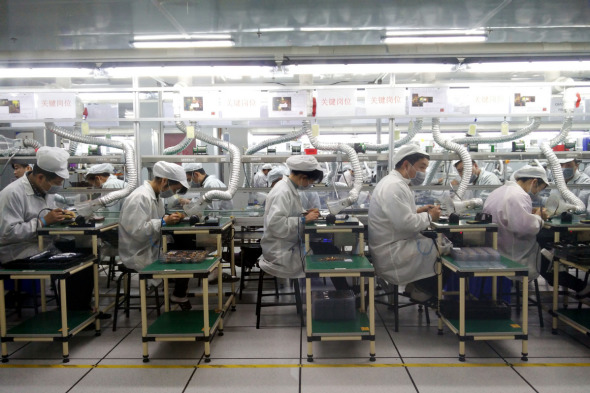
x=388 y=101
x=240 y=104
x=56 y=106
x=336 y=102
x=488 y=100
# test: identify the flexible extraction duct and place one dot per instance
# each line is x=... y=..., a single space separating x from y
x=198 y=207
x=413 y=129
x=88 y=207
x=533 y=126
x=337 y=206
x=269 y=142
x=183 y=143
x=570 y=197
x=431 y=172
x=73 y=144
x=12 y=147
x=32 y=143
x=329 y=178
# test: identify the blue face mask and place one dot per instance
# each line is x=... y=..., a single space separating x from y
x=472 y=179
x=568 y=173
x=418 y=180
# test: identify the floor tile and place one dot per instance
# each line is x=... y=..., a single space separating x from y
x=47 y=380
x=255 y=380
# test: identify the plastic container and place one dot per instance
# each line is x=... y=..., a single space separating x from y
x=311 y=151
x=333 y=305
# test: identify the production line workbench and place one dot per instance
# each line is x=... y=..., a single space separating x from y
x=468 y=329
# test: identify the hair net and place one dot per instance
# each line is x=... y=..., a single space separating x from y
x=565 y=160
x=54 y=160
x=170 y=171
x=277 y=173
x=192 y=166
x=406 y=150
x=100 y=168
x=267 y=166
x=304 y=163
x=531 y=171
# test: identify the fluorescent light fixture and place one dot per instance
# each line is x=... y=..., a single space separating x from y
x=220 y=71
x=174 y=37
x=532 y=66
x=184 y=43
x=65 y=72
x=367 y=69
x=311 y=29
x=434 y=36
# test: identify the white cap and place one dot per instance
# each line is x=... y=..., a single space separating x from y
x=277 y=173
x=267 y=166
x=536 y=172
x=346 y=167
x=304 y=163
x=565 y=160
x=405 y=151
x=170 y=171
x=192 y=166
x=54 y=160
x=100 y=168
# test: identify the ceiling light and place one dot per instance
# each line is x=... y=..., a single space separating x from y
x=530 y=66
x=182 y=43
x=434 y=36
x=65 y=72
x=174 y=37
x=368 y=69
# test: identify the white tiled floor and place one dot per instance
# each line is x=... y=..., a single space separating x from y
x=273 y=359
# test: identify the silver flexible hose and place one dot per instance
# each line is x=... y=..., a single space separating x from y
x=415 y=128
x=461 y=150
x=535 y=123
x=235 y=158
x=73 y=144
x=183 y=143
x=431 y=172
x=270 y=142
x=569 y=196
x=331 y=173
x=352 y=158
x=18 y=151
x=31 y=143
x=132 y=180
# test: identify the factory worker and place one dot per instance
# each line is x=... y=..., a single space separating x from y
x=518 y=223
x=401 y=255
x=28 y=204
x=199 y=178
x=347 y=176
x=261 y=177
x=479 y=177
x=21 y=169
x=572 y=175
x=277 y=174
x=284 y=218
x=142 y=215
x=101 y=176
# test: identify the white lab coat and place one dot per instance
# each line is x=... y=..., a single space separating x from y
x=583 y=194
x=212 y=182
x=113 y=182
x=282 y=248
x=140 y=227
x=347 y=177
x=18 y=219
x=511 y=208
x=260 y=180
x=485 y=178
x=400 y=253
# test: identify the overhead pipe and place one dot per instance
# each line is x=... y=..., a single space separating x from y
x=32 y=143
x=336 y=206
x=533 y=126
x=183 y=143
x=88 y=207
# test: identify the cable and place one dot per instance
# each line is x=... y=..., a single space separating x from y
x=8 y=161
x=41 y=211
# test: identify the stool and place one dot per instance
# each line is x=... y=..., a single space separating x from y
x=396 y=306
x=536 y=303
x=125 y=302
x=249 y=254
x=259 y=303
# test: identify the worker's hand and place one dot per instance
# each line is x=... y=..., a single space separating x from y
x=183 y=201
x=541 y=212
x=454 y=183
x=424 y=208
x=56 y=215
x=312 y=215
x=434 y=212
x=173 y=218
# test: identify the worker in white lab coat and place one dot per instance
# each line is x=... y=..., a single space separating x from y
x=199 y=178
x=261 y=177
x=284 y=219
x=143 y=215
x=101 y=176
x=347 y=176
x=518 y=223
x=572 y=175
x=401 y=255
x=28 y=204
x=479 y=177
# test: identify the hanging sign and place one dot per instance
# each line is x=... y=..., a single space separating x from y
x=287 y=103
x=56 y=105
x=336 y=102
x=197 y=104
x=388 y=101
x=15 y=106
x=488 y=100
x=530 y=100
x=428 y=100
x=240 y=104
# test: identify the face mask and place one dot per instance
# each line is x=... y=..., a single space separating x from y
x=54 y=189
x=472 y=179
x=167 y=194
x=195 y=184
x=304 y=187
x=418 y=178
x=532 y=194
x=568 y=173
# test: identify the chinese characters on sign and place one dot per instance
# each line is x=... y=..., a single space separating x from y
x=56 y=105
x=385 y=102
x=336 y=102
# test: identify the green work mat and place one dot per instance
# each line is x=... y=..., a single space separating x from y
x=49 y=323
x=581 y=317
x=182 y=323
x=489 y=326
x=358 y=326
x=314 y=263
